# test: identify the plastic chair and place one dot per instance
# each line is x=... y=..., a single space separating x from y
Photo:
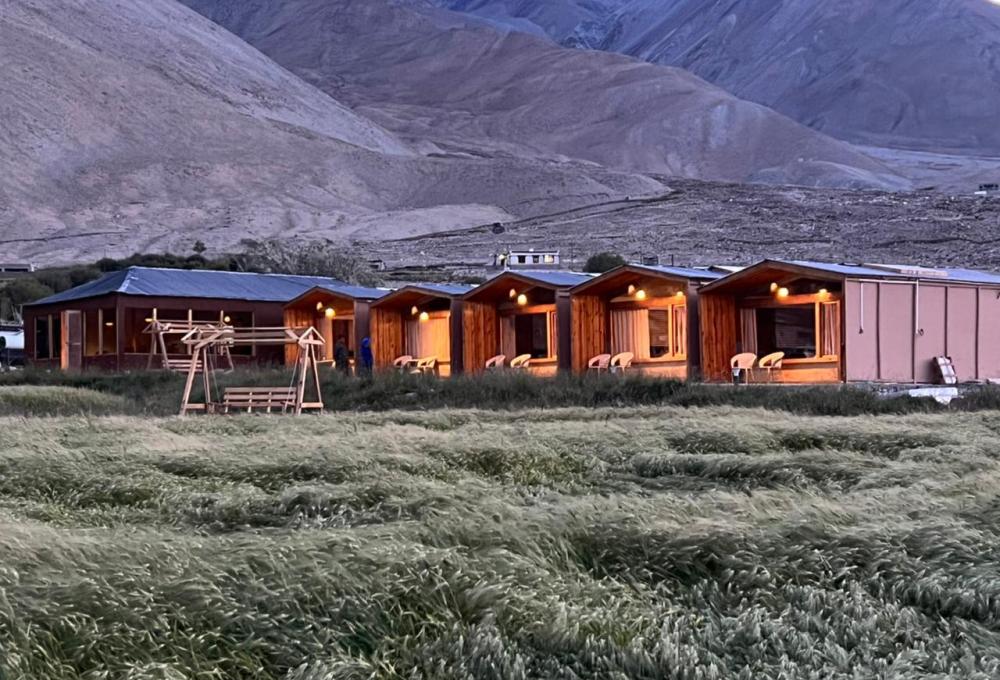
x=521 y=362
x=770 y=363
x=742 y=362
x=403 y=362
x=599 y=363
x=620 y=362
x=426 y=365
x=495 y=363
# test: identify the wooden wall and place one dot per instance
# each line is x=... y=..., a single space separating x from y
x=457 y=337
x=564 y=331
x=362 y=327
x=480 y=334
x=717 y=320
x=386 y=326
x=296 y=318
x=589 y=334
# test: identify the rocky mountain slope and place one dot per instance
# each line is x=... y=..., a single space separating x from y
x=140 y=125
x=909 y=73
x=448 y=84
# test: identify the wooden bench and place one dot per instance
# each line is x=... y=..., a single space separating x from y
x=258 y=398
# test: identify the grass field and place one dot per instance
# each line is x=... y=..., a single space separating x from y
x=649 y=542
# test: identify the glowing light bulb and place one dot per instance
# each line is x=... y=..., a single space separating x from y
x=414 y=311
x=631 y=290
x=640 y=294
x=823 y=292
x=424 y=316
x=330 y=312
x=226 y=319
x=680 y=293
x=512 y=293
x=522 y=299
x=782 y=292
x=774 y=287
x=319 y=306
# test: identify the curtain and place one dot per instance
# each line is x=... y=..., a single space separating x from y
x=829 y=328
x=630 y=332
x=508 y=339
x=748 y=330
x=553 y=335
x=680 y=344
x=429 y=338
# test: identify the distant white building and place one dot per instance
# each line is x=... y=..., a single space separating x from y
x=527 y=258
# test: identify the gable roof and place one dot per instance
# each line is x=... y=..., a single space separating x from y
x=415 y=291
x=205 y=283
x=838 y=271
x=626 y=271
x=554 y=278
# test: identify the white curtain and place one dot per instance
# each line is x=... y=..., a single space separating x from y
x=431 y=338
x=679 y=346
x=829 y=324
x=748 y=330
x=630 y=332
x=553 y=335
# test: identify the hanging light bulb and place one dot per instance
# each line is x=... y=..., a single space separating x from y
x=640 y=294
x=631 y=289
x=680 y=294
x=330 y=312
x=782 y=292
x=774 y=287
x=226 y=319
x=319 y=306
x=424 y=316
x=512 y=293
x=414 y=311
x=823 y=293
x=522 y=299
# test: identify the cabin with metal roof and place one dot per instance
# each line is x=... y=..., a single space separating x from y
x=851 y=322
x=523 y=317
x=102 y=324
x=419 y=327
x=644 y=315
x=338 y=311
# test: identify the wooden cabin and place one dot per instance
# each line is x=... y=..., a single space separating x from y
x=339 y=311
x=852 y=323
x=101 y=324
x=423 y=321
x=517 y=314
x=648 y=311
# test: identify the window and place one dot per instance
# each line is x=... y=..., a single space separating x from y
x=531 y=335
x=536 y=259
x=522 y=259
x=791 y=330
x=109 y=332
x=55 y=323
x=659 y=333
x=550 y=259
x=42 y=344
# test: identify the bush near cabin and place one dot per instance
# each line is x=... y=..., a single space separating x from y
x=602 y=262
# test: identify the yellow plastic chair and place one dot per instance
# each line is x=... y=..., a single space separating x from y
x=426 y=365
x=601 y=362
x=402 y=363
x=621 y=362
x=770 y=363
x=521 y=362
x=743 y=362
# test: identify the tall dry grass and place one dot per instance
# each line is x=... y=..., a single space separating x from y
x=569 y=543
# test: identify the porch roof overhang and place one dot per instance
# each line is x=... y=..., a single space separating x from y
x=417 y=294
x=614 y=280
x=323 y=294
x=496 y=289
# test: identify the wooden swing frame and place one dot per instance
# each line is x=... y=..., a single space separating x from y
x=159 y=330
x=204 y=343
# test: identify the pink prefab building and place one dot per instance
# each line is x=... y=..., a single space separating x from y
x=853 y=323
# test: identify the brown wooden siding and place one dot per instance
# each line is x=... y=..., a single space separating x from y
x=718 y=335
x=296 y=318
x=457 y=321
x=387 y=336
x=480 y=335
x=589 y=336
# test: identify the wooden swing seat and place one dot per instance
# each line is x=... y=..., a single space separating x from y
x=181 y=365
x=266 y=399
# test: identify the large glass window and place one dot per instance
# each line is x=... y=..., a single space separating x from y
x=531 y=335
x=791 y=330
x=659 y=333
x=109 y=331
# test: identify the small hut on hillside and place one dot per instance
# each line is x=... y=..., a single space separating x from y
x=853 y=323
x=421 y=321
x=646 y=312
x=339 y=311
x=522 y=316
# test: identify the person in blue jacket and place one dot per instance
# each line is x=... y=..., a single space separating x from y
x=367 y=358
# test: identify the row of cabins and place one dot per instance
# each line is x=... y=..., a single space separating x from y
x=834 y=323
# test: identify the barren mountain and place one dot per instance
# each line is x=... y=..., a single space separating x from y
x=913 y=73
x=437 y=77
x=139 y=124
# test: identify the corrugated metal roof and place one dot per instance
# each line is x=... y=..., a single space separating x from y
x=683 y=272
x=203 y=283
x=450 y=289
x=835 y=268
x=558 y=278
x=903 y=271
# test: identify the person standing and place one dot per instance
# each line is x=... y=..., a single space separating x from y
x=367 y=358
x=341 y=358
